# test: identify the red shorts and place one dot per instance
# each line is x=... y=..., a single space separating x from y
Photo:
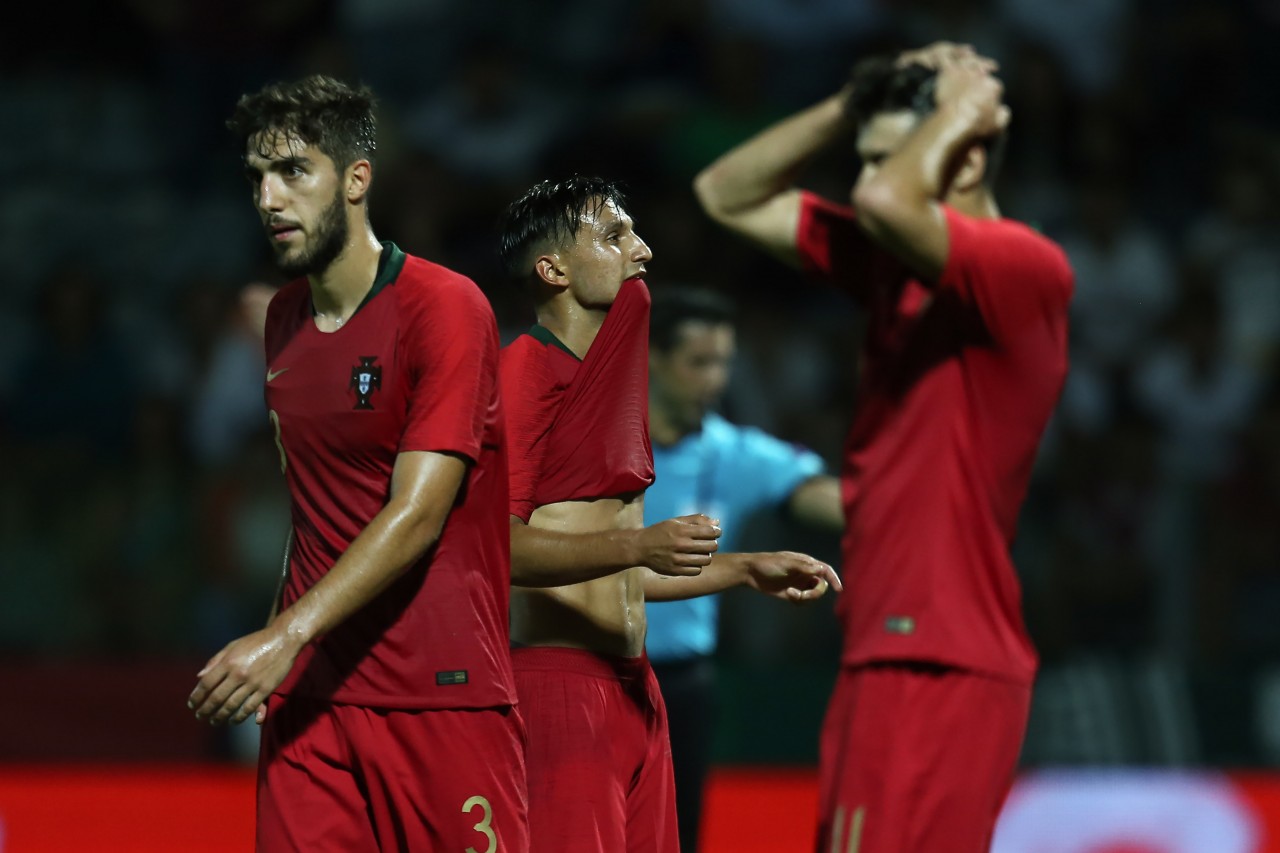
x=600 y=778
x=917 y=758
x=345 y=777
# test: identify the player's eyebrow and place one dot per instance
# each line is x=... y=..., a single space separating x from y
x=613 y=223
x=252 y=169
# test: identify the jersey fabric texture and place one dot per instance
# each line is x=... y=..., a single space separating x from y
x=958 y=380
x=600 y=773
x=728 y=472
x=579 y=430
x=414 y=369
x=344 y=778
x=917 y=758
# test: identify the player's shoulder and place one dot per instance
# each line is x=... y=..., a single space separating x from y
x=1010 y=245
x=425 y=282
x=289 y=296
x=285 y=306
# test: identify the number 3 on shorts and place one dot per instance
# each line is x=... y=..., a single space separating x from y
x=483 y=826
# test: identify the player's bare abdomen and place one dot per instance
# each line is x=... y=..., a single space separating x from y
x=605 y=615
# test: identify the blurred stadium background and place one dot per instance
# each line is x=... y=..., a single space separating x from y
x=141 y=515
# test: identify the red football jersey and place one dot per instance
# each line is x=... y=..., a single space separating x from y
x=958 y=382
x=579 y=430
x=415 y=368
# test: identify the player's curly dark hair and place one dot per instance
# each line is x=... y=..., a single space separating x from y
x=879 y=85
x=550 y=214
x=321 y=111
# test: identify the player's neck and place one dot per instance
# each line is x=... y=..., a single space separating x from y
x=978 y=203
x=343 y=285
x=575 y=325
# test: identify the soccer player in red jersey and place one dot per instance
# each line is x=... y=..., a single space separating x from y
x=575 y=390
x=389 y=720
x=963 y=363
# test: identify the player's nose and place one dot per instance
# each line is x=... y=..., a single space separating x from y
x=641 y=253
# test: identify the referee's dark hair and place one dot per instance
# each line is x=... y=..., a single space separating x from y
x=674 y=306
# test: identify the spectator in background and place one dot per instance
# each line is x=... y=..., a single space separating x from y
x=1199 y=391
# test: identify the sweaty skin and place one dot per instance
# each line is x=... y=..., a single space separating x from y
x=605 y=615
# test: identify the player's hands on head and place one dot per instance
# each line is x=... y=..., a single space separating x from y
x=967 y=84
x=942 y=53
x=678 y=546
x=236 y=681
x=791 y=576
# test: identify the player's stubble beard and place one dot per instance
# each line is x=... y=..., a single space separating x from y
x=324 y=244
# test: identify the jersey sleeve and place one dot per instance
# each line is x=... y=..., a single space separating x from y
x=831 y=246
x=776 y=467
x=529 y=403
x=451 y=360
x=1012 y=276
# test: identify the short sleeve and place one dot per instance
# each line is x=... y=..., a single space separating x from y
x=451 y=359
x=831 y=245
x=776 y=466
x=1013 y=277
x=528 y=401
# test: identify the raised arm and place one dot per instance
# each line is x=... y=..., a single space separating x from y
x=239 y=678
x=899 y=206
x=750 y=190
x=781 y=574
x=543 y=558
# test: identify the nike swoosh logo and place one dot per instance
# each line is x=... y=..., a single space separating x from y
x=272 y=374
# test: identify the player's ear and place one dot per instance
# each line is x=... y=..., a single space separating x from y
x=551 y=270
x=972 y=168
x=359 y=176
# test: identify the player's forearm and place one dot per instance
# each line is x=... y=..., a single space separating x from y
x=768 y=163
x=725 y=571
x=914 y=178
x=817 y=502
x=543 y=558
x=394 y=540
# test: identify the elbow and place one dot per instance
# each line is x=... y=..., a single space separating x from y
x=706 y=191
x=875 y=201
x=420 y=532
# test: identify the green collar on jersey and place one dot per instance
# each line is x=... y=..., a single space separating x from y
x=390 y=262
x=546 y=336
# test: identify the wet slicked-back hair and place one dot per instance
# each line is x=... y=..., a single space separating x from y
x=550 y=214
x=673 y=307
x=321 y=111
x=879 y=85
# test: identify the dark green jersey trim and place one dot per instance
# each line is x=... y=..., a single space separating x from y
x=546 y=336
x=390 y=263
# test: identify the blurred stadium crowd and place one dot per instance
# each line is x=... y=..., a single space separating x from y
x=141 y=510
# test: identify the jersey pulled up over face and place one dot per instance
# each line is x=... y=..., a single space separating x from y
x=414 y=369
x=579 y=430
x=958 y=380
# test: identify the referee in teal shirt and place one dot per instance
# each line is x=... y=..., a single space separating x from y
x=705 y=464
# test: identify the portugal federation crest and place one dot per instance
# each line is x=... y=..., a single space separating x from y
x=366 y=377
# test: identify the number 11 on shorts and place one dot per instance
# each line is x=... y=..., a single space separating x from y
x=483 y=825
x=855 y=830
